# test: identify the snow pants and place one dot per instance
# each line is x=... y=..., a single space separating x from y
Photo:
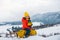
x=27 y=32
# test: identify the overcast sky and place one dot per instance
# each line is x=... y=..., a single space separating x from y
x=13 y=10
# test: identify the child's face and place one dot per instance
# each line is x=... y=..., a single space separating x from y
x=27 y=18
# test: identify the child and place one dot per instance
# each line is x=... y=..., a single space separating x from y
x=26 y=23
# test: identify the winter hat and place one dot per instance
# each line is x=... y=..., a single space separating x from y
x=26 y=14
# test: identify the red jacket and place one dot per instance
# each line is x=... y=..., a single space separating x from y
x=25 y=23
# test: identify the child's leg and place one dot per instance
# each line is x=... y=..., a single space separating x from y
x=27 y=32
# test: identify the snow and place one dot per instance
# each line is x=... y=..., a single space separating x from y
x=44 y=31
x=3 y=29
x=37 y=23
x=49 y=30
x=57 y=37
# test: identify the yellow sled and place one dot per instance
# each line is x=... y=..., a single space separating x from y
x=22 y=33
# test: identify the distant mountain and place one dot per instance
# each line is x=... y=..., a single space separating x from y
x=47 y=18
x=13 y=23
x=2 y=23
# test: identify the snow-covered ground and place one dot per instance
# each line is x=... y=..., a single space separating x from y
x=3 y=29
x=49 y=30
x=57 y=37
x=37 y=23
x=44 y=31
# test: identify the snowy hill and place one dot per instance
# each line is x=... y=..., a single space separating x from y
x=47 y=18
x=13 y=23
x=37 y=23
x=4 y=28
x=50 y=32
x=10 y=23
